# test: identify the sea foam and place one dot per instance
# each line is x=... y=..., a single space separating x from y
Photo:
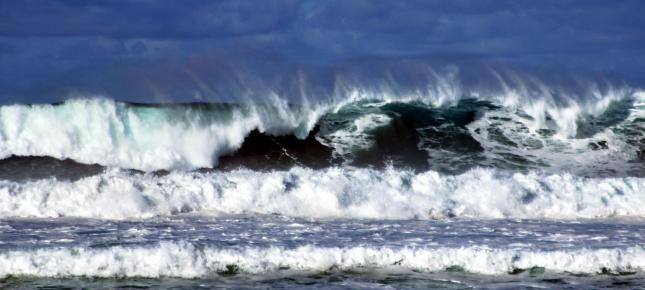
x=188 y=261
x=328 y=193
x=102 y=131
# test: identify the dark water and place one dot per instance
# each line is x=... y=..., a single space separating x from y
x=342 y=280
x=424 y=137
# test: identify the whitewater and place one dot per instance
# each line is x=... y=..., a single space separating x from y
x=525 y=185
x=327 y=193
x=187 y=261
x=275 y=250
x=191 y=136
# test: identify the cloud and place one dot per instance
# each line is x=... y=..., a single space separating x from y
x=142 y=19
x=43 y=43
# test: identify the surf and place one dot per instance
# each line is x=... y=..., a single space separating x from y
x=335 y=192
x=522 y=127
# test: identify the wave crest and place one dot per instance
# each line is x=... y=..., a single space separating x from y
x=509 y=127
x=102 y=131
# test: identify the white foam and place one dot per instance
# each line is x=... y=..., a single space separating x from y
x=328 y=193
x=187 y=261
x=105 y=132
x=557 y=151
x=564 y=108
x=542 y=102
x=355 y=136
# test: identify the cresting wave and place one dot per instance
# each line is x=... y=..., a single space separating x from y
x=444 y=129
x=187 y=261
x=102 y=131
x=328 y=193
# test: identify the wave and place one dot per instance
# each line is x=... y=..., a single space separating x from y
x=188 y=261
x=335 y=192
x=444 y=130
x=141 y=137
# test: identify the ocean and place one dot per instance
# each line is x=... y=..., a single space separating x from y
x=360 y=190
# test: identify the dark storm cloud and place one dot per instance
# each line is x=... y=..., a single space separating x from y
x=49 y=47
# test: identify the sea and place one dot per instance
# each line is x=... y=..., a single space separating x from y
x=529 y=187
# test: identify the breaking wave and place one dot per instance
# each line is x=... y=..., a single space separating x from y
x=188 y=261
x=598 y=133
x=328 y=193
x=145 y=137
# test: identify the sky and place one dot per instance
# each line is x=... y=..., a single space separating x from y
x=188 y=50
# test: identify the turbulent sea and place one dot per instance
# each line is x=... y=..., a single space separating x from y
x=362 y=190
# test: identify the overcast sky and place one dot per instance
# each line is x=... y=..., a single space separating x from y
x=130 y=49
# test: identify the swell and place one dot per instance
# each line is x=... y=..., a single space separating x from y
x=335 y=192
